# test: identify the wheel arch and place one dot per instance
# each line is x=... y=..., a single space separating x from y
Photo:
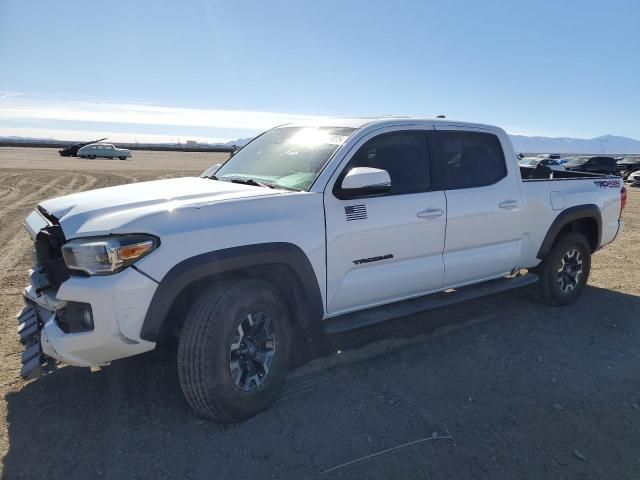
x=585 y=219
x=284 y=265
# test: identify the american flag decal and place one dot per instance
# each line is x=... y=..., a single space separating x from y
x=355 y=212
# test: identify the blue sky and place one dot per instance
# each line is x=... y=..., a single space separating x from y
x=216 y=70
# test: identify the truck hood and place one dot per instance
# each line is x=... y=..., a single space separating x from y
x=108 y=208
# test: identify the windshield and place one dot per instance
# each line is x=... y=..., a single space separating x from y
x=577 y=161
x=287 y=157
x=529 y=162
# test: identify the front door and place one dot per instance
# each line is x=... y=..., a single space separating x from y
x=385 y=248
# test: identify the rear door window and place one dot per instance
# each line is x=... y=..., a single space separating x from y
x=470 y=159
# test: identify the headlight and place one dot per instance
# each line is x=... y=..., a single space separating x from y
x=107 y=255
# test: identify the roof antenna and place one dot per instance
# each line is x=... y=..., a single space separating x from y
x=441 y=116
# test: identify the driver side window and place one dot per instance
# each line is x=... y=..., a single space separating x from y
x=404 y=155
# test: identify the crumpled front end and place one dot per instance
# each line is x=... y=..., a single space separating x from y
x=45 y=277
x=78 y=320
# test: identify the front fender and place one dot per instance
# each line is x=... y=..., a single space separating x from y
x=223 y=261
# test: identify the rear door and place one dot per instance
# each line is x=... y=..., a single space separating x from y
x=388 y=247
x=484 y=205
x=108 y=151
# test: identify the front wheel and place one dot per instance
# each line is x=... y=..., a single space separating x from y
x=234 y=348
x=565 y=271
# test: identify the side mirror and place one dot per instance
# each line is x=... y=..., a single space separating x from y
x=364 y=181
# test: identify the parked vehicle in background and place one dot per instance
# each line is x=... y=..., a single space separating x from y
x=535 y=161
x=628 y=165
x=551 y=156
x=337 y=224
x=634 y=178
x=603 y=165
x=103 y=150
x=72 y=150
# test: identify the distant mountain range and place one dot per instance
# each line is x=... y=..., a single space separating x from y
x=52 y=141
x=606 y=144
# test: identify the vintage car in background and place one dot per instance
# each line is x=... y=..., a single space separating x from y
x=105 y=150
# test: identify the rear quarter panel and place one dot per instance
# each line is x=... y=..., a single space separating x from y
x=545 y=199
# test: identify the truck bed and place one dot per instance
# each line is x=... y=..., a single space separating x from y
x=530 y=174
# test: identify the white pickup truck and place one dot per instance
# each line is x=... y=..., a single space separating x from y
x=341 y=224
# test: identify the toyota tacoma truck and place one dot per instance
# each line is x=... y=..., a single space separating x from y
x=340 y=224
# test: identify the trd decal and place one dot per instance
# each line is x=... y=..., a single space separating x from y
x=607 y=183
x=373 y=259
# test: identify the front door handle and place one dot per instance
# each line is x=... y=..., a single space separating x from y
x=431 y=213
x=508 y=204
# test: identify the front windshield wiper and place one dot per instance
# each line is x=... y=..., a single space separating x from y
x=251 y=181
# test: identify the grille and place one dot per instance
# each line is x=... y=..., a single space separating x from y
x=355 y=212
x=48 y=255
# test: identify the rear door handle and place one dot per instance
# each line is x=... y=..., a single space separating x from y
x=508 y=204
x=431 y=213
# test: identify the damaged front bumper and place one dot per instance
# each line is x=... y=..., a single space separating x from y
x=117 y=304
x=30 y=326
x=40 y=309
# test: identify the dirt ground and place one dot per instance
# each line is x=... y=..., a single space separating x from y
x=494 y=388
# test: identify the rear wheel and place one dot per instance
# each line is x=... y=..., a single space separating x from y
x=122 y=158
x=565 y=271
x=233 y=354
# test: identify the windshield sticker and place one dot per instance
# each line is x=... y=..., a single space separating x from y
x=607 y=183
x=336 y=139
x=313 y=137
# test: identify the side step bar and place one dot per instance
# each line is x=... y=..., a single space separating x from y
x=383 y=313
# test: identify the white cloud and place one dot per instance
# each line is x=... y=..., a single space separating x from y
x=20 y=108
x=4 y=95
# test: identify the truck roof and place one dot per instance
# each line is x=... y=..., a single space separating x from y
x=360 y=122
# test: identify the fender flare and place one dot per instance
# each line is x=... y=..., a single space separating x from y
x=567 y=216
x=218 y=262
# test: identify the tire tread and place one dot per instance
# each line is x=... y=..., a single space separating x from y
x=192 y=357
x=204 y=327
x=543 y=292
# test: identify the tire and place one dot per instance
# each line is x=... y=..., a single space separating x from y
x=92 y=157
x=122 y=158
x=211 y=342
x=571 y=254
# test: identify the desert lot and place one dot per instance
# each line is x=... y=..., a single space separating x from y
x=508 y=388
